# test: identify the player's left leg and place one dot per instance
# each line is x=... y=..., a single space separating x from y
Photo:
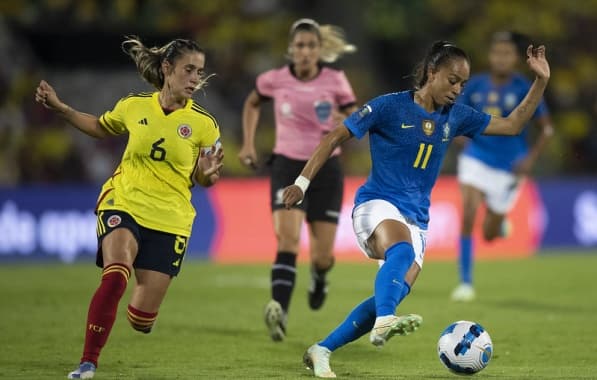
x=323 y=211
x=359 y=321
x=472 y=197
x=160 y=259
x=494 y=225
x=148 y=294
x=321 y=236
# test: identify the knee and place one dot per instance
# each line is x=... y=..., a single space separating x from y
x=140 y=320
x=323 y=262
x=288 y=243
x=489 y=235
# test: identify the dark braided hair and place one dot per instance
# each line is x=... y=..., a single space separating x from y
x=439 y=54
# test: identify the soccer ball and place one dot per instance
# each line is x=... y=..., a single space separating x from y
x=465 y=347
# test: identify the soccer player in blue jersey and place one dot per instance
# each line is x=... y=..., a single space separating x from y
x=409 y=133
x=490 y=168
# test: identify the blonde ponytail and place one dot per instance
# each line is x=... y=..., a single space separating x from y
x=333 y=43
x=149 y=60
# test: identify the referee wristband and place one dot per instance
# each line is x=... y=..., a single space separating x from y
x=302 y=183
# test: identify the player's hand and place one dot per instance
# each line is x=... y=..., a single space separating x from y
x=292 y=195
x=537 y=61
x=248 y=156
x=46 y=95
x=210 y=162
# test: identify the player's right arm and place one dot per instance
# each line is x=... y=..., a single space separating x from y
x=250 y=118
x=295 y=193
x=85 y=122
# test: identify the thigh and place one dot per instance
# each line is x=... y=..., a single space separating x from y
x=283 y=173
x=471 y=199
x=321 y=237
x=378 y=225
x=118 y=238
x=386 y=234
x=150 y=290
x=326 y=193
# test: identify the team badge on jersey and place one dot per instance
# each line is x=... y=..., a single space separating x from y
x=428 y=127
x=113 y=221
x=185 y=131
x=323 y=110
x=446 y=133
x=364 y=111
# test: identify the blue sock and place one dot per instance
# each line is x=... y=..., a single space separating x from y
x=466 y=260
x=359 y=322
x=389 y=283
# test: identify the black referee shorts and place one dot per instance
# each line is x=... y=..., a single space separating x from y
x=323 y=200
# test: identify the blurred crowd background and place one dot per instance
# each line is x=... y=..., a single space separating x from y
x=75 y=45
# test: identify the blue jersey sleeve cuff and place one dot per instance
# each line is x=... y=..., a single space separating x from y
x=353 y=129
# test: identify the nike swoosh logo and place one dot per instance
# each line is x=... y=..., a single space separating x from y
x=404 y=126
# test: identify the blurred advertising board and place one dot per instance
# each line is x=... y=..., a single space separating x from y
x=234 y=224
x=571 y=213
x=246 y=231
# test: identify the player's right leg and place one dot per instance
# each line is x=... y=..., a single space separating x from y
x=383 y=234
x=357 y=323
x=287 y=226
x=116 y=254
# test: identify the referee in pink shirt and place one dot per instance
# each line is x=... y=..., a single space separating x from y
x=308 y=98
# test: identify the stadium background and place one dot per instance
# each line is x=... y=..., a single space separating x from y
x=50 y=174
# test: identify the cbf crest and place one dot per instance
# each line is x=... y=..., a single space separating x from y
x=446 y=132
x=185 y=131
x=428 y=127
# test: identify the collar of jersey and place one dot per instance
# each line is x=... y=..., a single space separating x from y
x=158 y=107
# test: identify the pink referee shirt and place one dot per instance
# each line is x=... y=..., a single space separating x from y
x=303 y=109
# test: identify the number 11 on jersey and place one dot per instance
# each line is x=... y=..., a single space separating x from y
x=424 y=149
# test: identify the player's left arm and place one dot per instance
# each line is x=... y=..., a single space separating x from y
x=525 y=166
x=209 y=163
x=515 y=122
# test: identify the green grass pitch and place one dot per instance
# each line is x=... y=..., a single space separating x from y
x=540 y=312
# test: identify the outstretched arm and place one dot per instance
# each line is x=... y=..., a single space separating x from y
x=295 y=193
x=86 y=123
x=514 y=123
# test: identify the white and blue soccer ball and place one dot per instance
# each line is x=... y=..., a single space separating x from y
x=465 y=347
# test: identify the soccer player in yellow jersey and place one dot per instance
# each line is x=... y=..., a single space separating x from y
x=144 y=210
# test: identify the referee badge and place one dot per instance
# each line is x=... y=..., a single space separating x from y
x=113 y=221
x=428 y=127
x=185 y=131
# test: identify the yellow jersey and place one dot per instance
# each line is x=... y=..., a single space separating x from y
x=153 y=181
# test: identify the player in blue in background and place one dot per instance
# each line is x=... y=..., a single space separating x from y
x=409 y=133
x=490 y=168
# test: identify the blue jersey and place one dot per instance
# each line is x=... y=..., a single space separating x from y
x=407 y=146
x=500 y=152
